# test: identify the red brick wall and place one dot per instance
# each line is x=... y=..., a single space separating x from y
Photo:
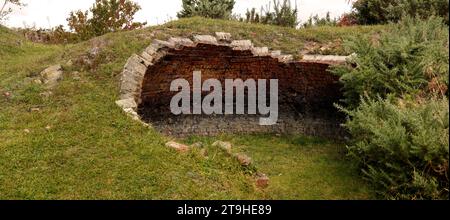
x=305 y=89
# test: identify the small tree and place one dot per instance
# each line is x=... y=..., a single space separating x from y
x=252 y=16
x=284 y=14
x=107 y=16
x=78 y=22
x=218 y=9
x=5 y=11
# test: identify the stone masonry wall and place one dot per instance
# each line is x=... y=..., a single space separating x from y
x=307 y=90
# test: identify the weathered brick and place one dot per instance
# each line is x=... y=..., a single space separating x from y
x=307 y=91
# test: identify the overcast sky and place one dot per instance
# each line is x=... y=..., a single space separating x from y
x=49 y=13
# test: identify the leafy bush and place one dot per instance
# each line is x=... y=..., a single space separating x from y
x=219 y=9
x=384 y=11
x=402 y=146
x=107 y=16
x=282 y=14
x=410 y=58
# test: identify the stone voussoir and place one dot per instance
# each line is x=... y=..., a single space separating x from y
x=181 y=41
x=205 y=39
x=147 y=58
x=132 y=77
x=222 y=36
x=330 y=59
x=285 y=58
x=151 y=50
x=276 y=54
x=159 y=44
x=129 y=103
x=260 y=51
x=242 y=45
x=135 y=64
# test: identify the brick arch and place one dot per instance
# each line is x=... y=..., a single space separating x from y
x=307 y=91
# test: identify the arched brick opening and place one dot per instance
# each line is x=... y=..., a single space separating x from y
x=306 y=90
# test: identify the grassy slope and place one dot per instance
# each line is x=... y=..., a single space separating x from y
x=94 y=151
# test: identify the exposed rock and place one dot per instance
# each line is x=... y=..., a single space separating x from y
x=262 y=180
x=98 y=44
x=46 y=94
x=52 y=75
x=85 y=61
x=243 y=159
x=226 y=146
x=177 y=146
x=197 y=145
x=76 y=75
x=94 y=52
x=35 y=109
x=89 y=60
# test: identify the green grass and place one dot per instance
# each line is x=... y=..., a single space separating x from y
x=94 y=151
x=299 y=167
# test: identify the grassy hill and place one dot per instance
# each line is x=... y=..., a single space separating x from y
x=76 y=144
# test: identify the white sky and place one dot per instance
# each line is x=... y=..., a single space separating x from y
x=49 y=13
